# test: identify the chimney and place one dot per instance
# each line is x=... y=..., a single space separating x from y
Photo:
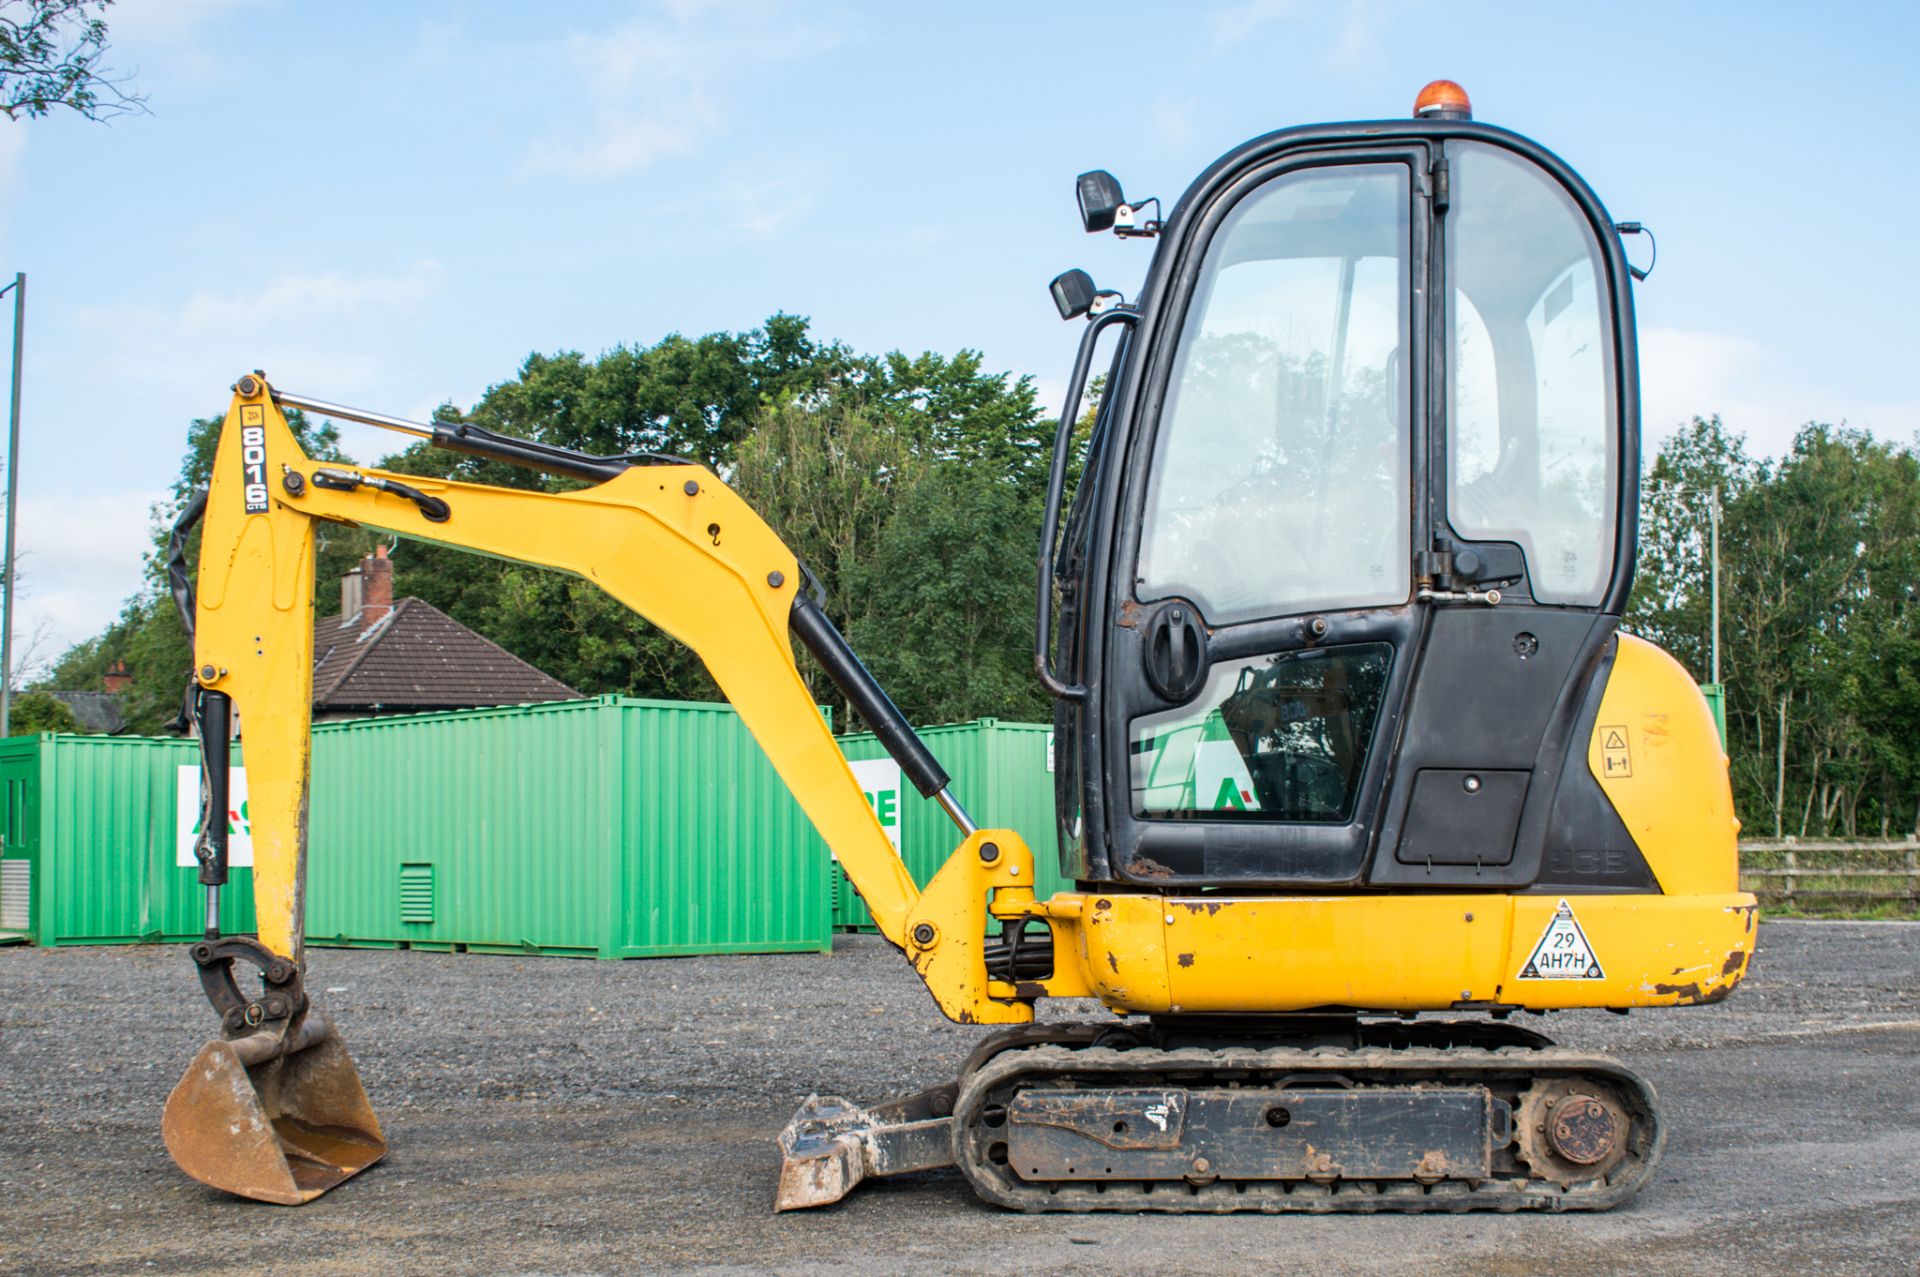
x=366 y=593
x=117 y=679
x=376 y=576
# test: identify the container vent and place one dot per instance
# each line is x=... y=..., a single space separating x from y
x=416 y=893
x=16 y=890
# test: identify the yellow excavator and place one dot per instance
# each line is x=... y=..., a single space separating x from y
x=1355 y=762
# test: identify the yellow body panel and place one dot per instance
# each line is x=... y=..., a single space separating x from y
x=1657 y=755
x=1397 y=952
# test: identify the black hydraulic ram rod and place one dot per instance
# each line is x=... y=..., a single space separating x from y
x=214 y=719
x=865 y=694
x=477 y=441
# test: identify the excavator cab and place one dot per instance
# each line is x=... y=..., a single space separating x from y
x=1355 y=490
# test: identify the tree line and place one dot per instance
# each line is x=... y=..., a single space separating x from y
x=1819 y=618
x=910 y=486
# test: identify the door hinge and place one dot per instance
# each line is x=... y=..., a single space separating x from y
x=1442 y=187
x=1429 y=565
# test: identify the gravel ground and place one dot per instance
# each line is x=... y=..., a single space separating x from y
x=562 y=1117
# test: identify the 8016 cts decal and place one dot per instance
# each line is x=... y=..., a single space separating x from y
x=253 y=456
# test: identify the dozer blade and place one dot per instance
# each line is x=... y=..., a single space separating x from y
x=832 y=1144
x=281 y=1127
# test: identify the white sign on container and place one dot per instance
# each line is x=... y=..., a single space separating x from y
x=187 y=818
x=880 y=781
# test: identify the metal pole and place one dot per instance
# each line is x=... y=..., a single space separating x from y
x=19 y=287
x=1713 y=523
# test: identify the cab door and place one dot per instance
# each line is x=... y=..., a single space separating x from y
x=1263 y=617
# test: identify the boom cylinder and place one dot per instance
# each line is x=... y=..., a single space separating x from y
x=865 y=694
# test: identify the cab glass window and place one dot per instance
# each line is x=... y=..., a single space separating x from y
x=1280 y=738
x=1279 y=481
x=1532 y=446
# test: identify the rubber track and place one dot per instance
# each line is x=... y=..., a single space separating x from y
x=1507 y=1070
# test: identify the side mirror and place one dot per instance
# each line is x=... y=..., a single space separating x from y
x=1100 y=200
x=1073 y=293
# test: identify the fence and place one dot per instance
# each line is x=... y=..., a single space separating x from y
x=1818 y=876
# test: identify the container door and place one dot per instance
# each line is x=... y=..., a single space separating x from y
x=19 y=838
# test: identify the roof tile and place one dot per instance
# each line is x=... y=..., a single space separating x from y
x=418 y=657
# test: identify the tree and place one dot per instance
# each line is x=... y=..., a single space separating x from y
x=51 y=55
x=1671 y=603
x=1820 y=573
x=945 y=614
x=824 y=442
x=36 y=712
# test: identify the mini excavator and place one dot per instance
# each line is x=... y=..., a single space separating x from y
x=1355 y=762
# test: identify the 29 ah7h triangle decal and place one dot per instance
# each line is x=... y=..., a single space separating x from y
x=1563 y=952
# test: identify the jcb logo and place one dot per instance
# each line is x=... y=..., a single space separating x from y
x=253 y=467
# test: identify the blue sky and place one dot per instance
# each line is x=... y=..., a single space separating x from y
x=391 y=205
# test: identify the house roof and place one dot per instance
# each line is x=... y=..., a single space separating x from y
x=416 y=657
x=100 y=713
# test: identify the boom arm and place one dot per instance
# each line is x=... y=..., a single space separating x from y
x=670 y=541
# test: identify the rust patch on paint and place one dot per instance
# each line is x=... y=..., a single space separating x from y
x=1146 y=867
x=1186 y=959
x=1130 y=614
x=1113 y=961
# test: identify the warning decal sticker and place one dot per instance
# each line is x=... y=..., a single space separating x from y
x=1616 y=760
x=1563 y=952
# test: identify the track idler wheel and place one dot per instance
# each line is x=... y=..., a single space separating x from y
x=1572 y=1131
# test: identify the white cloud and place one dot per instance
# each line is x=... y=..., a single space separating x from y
x=1686 y=373
x=768 y=207
x=13 y=148
x=79 y=560
x=1229 y=26
x=1352 y=46
x=1356 y=44
x=661 y=84
x=167 y=21
x=325 y=329
x=335 y=335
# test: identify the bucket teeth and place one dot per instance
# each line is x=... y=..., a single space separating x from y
x=284 y=1130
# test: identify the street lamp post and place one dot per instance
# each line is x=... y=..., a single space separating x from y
x=1713 y=533
x=19 y=290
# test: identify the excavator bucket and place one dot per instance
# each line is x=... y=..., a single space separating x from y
x=281 y=1127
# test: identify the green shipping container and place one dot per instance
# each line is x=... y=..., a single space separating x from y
x=610 y=828
x=1002 y=774
x=90 y=843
